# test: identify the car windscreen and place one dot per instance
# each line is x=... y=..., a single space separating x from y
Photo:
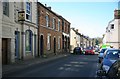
x=113 y=54
x=103 y=50
x=89 y=48
x=78 y=48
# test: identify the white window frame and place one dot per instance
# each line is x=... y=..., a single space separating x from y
x=47 y=20
x=53 y=23
x=48 y=41
x=28 y=10
x=58 y=24
x=59 y=43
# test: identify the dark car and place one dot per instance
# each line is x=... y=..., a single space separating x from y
x=77 y=50
x=114 y=71
x=101 y=53
x=110 y=57
x=89 y=51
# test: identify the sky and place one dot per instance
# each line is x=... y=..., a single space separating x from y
x=89 y=17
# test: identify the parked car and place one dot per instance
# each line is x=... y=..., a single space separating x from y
x=101 y=54
x=89 y=51
x=114 y=71
x=110 y=57
x=77 y=50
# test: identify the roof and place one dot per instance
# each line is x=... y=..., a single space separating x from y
x=52 y=12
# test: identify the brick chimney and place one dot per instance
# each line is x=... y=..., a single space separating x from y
x=116 y=14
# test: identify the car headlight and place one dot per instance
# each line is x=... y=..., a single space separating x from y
x=106 y=68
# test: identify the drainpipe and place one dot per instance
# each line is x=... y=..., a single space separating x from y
x=38 y=19
x=22 y=33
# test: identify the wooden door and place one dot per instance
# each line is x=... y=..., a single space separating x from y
x=4 y=51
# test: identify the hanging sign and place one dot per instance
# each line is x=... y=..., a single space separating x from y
x=21 y=16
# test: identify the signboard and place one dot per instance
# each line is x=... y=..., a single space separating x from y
x=21 y=16
x=105 y=46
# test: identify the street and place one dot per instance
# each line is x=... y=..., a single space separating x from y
x=69 y=66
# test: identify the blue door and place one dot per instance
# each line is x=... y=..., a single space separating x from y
x=17 y=44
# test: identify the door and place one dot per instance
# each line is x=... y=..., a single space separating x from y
x=4 y=51
x=41 y=45
x=54 y=45
x=35 y=45
x=17 y=44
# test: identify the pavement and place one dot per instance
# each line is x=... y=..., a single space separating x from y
x=27 y=63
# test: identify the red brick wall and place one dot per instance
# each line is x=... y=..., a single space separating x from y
x=49 y=30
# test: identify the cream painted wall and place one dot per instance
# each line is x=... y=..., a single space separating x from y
x=119 y=33
x=72 y=40
x=28 y=25
x=113 y=37
x=0 y=39
x=8 y=32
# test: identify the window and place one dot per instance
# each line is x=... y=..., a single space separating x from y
x=62 y=25
x=47 y=20
x=28 y=40
x=112 y=26
x=58 y=25
x=48 y=42
x=28 y=10
x=6 y=8
x=54 y=23
x=59 y=42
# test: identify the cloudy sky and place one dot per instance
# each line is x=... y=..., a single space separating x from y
x=89 y=16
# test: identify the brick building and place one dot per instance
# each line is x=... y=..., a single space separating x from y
x=50 y=31
x=65 y=35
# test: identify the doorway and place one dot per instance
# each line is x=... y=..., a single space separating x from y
x=17 y=44
x=4 y=51
x=35 y=46
x=41 y=45
x=54 y=45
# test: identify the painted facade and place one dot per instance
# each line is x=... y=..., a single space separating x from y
x=19 y=37
x=8 y=39
x=65 y=35
x=113 y=31
x=1 y=9
x=26 y=31
x=75 y=40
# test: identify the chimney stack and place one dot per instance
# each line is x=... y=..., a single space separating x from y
x=116 y=14
x=45 y=5
x=77 y=30
x=49 y=8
